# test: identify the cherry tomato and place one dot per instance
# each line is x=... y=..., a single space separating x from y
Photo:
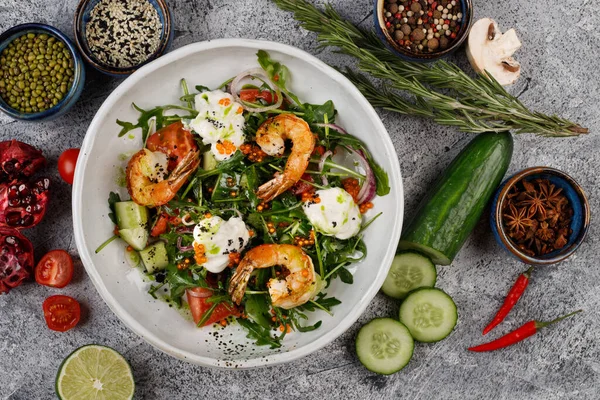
x=55 y=269
x=162 y=222
x=252 y=95
x=199 y=306
x=172 y=140
x=61 y=312
x=66 y=164
x=319 y=150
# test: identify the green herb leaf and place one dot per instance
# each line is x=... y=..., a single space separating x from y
x=261 y=335
x=112 y=199
x=257 y=308
x=277 y=73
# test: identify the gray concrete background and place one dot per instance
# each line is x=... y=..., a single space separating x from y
x=560 y=75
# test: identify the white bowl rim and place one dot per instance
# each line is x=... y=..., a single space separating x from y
x=134 y=325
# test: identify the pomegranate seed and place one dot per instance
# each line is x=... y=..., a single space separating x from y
x=13 y=218
x=14 y=202
x=13 y=241
x=27 y=200
x=27 y=220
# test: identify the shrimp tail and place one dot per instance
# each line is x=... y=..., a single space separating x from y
x=273 y=188
x=239 y=281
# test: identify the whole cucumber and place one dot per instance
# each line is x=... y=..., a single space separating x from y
x=455 y=203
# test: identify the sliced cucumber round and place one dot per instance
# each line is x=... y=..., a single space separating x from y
x=429 y=314
x=136 y=238
x=409 y=271
x=384 y=346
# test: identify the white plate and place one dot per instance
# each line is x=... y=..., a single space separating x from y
x=209 y=64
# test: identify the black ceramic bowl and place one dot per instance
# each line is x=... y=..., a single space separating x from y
x=82 y=16
x=402 y=52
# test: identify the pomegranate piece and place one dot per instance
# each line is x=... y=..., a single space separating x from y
x=18 y=160
x=16 y=259
x=23 y=204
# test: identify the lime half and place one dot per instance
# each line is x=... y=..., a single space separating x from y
x=95 y=372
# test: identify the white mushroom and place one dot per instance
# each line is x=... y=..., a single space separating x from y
x=490 y=51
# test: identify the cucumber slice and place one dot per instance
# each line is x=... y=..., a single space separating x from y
x=384 y=346
x=409 y=271
x=209 y=162
x=155 y=257
x=95 y=372
x=131 y=215
x=429 y=314
x=136 y=238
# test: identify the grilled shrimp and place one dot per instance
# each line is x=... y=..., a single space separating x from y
x=155 y=174
x=294 y=290
x=271 y=136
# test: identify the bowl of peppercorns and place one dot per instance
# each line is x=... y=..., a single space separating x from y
x=423 y=30
x=540 y=215
x=41 y=72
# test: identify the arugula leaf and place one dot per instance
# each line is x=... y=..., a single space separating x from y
x=261 y=335
x=278 y=73
x=345 y=276
x=321 y=302
x=235 y=162
x=112 y=199
x=257 y=308
x=157 y=112
x=314 y=113
x=180 y=281
x=202 y=88
x=294 y=315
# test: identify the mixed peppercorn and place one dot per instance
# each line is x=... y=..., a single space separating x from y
x=423 y=26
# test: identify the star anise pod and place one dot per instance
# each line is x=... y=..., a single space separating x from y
x=517 y=220
x=545 y=233
x=560 y=242
x=552 y=217
x=529 y=187
x=551 y=194
x=534 y=201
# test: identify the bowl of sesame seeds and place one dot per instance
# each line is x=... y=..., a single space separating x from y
x=117 y=37
x=423 y=30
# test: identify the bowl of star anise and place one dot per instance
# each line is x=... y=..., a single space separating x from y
x=540 y=215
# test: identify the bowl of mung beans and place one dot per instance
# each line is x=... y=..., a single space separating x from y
x=423 y=30
x=41 y=72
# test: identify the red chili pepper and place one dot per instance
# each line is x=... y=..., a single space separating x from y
x=521 y=333
x=511 y=299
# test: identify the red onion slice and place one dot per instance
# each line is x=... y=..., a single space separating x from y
x=236 y=87
x=183 y=248
x=369 y=188
x=328 y=153
x=335 y=127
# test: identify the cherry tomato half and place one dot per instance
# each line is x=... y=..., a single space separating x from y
x=199 y=306
x=252 y=95
x=66 y=164
x=55 y=269
x=61 y=312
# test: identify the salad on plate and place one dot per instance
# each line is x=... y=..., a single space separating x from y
x=245 y=203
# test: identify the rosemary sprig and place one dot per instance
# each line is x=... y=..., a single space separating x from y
x=471 y=104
